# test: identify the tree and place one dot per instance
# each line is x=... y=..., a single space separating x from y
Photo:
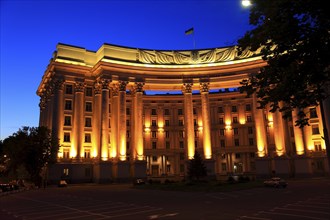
x=196 y=167
x=32 y=148
x=295 y=40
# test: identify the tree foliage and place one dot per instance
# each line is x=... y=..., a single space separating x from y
x=196 y=167
x=295 y=39
x=30 y=148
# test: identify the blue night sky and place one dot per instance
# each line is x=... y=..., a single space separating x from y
x=30 y=31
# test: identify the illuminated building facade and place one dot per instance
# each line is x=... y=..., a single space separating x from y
x=122 y=113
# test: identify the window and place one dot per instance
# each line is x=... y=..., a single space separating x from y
x=235 y=131
x=221 y=121
x=180 y=122
x=252 y=155
x=181 y=144
x=87 y=154
x=67 y=120
x=317 y=146
x=153 y=123
x=66 y=153
x=167 y=122
x=196 y=133
x=222 y=143
x=167 y=111
x=181 y=156
x=153 y=111
x=251 y=142
x=167 y=145
x=195 y=122
x=66 y=171
x=236 y=142
x=181 y=134
x=127 y=123
x=68 y=89
x=154 y=145
x=154 y=134
x=220 y=109
x=88 y=122
x=87 y=138
x=315 y=129
x=154 y=158
x=222 y=132
x=88 y=106
x=234 y=108
x=223 y=156
x=127 y=134
x=180 y=112
x=247 y=107
x=128 y=111
x=89 y=91
x=223 y=166
x=66 y=137
x=313 y=113
x=250 y=130
x=235 y=121
x=68 y=105
x=167 y=134
x=249 y=118
x=237 y=155
x=194 y=111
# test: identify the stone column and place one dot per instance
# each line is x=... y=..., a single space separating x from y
x=105 y=119
x=114 y=120
x=122 y=120
x=96 y=123
x=78 y=119
x=279 y=133
x=137 y=146
x=58 y=117
x=260 y=128
x=204 y=90
x=298 y=135
x=42 y=106
x=189 y=120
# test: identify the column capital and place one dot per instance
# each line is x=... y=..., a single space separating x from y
x=58 y=84
x=187 y=87
x=139 y=86
x=105 y=83
x=122 y=85
x=204 y=87
x=115 y=89
x=97 y=87
x=79 y=86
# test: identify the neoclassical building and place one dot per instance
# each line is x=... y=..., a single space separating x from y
x=122 y=113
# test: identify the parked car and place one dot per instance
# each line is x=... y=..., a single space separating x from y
x=62 y=183
x=276 y=182
x=139 y=182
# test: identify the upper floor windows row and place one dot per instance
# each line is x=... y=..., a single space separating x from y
x=69 y=90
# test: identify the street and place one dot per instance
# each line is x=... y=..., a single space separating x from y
x=302 y=199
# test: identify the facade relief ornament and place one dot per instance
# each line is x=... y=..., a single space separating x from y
x=139 y=86
x=194 y=57
x=187 y=87
x=105 y=84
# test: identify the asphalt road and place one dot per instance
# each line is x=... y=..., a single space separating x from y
x=302 y=199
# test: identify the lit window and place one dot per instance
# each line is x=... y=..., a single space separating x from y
x=68 y=89
x=234 y=108
x=249 y=118
x=153 y=123
x=180 y=122
x=167 y=134
x=153 y=111
x=87 y=154
x=66 y=137
x=222 y=132
x=221 y=121
x=313 y=113
x=154 y=134
x=235 y=120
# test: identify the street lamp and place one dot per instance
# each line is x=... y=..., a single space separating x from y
x=246 y=3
